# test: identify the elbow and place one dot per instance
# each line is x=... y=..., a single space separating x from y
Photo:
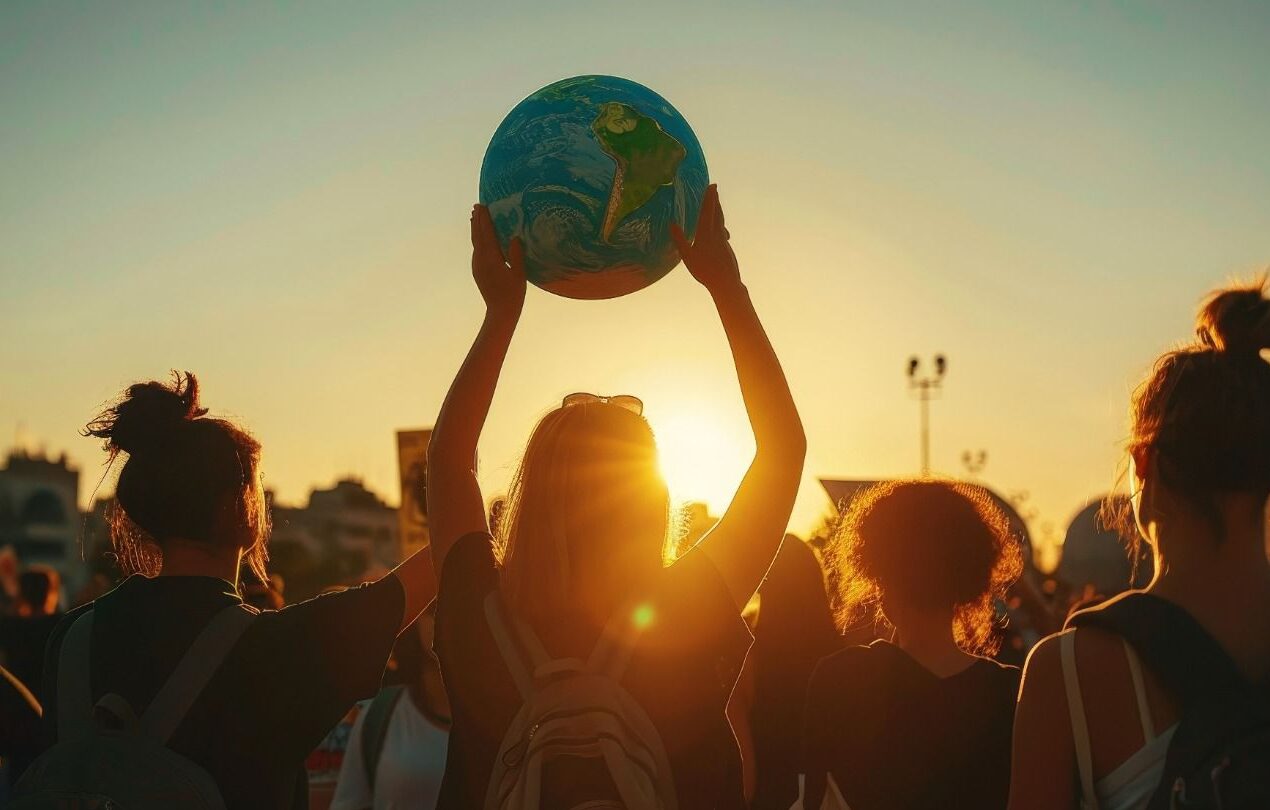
x=798 y=444
x=795 y=443
x=788 y=449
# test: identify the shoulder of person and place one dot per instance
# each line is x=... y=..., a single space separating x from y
x=474 y=550
x=1000 y=670
x=1096 y=651
x=64 y=624
x=849 y=664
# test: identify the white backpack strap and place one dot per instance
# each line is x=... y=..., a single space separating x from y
x=617 y=641
x=1140 y=692
x=832 y=799
x=833 y=795
x=1076 y=711
x=192 y=673
x=74 y=679
x=510 y=634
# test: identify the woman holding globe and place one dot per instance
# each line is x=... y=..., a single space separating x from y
x=576 y=573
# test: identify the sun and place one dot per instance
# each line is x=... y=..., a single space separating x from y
x=702 y=458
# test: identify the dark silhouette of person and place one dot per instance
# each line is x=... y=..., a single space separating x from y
x=1095 y=720
x=191 y=514
x=793 y=630
x=924 y=720
x=582 y=540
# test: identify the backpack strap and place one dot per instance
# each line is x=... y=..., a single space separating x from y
x=617 y=641
x=375 y=729
x=1176 y=648
x=196 y=668
x=502 y=628
x=1076 y=712
x=1140 y=692
x=74 y=681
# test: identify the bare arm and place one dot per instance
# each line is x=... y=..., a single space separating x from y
x=748 y=536
x=1042 y=774
x=455 y=504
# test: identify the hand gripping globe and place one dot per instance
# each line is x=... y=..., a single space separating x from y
x=590 y=172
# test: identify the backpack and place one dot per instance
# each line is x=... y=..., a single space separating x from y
x=375 y=729
x=580 y=741
x=106 y=757
x=1219 y=757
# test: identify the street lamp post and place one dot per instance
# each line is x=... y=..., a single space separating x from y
x=926 y=388
x=974 y=462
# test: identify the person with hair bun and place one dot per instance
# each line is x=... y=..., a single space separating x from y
x=1110 y=713
x=923 y=720
x=190 y=516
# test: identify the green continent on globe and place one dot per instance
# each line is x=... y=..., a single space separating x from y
x=647 y=159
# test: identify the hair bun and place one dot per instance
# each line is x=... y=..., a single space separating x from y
x=148 y=414
x=1236 y=320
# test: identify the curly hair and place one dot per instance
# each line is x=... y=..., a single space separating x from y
x=930 y=544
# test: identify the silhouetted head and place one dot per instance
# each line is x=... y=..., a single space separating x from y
x=186 y=477
x=412 y=654
x=1200 y=422
x=587 y=516
x=926 y=547
x=38 y=588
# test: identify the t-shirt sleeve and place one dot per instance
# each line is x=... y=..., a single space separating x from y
x=328 y=653
x=470 y=573
x=352 y=791
x=350 y=634
x=701 y=616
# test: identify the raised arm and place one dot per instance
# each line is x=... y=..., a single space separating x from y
x=746 y=539
x=455 y=504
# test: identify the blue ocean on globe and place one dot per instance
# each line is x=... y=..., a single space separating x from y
x=590 y=172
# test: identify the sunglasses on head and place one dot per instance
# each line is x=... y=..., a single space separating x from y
x=630 y=403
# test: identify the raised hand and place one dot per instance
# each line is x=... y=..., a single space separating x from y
x=709 y=256
x=501 y=281
x=744 y=541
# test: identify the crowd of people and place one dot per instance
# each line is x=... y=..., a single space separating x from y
x=566 y=658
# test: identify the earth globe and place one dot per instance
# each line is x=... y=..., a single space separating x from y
x=590 y=172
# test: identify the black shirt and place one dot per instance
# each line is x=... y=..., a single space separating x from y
x=285 y=684
x=681 y=672
x=22 y=642
x=896 y=736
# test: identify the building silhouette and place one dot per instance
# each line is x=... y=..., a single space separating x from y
x=39 y=512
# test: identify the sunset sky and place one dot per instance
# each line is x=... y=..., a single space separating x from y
x=277 y=198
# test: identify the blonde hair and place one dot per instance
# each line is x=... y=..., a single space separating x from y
x=587 y=517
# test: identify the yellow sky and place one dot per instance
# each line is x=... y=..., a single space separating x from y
x=279 y=203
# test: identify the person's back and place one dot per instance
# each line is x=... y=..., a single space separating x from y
x=283 y=685
x=574 y=590
x=895 y=735
x=1101 y=708
x=681 y=671
x=924 y=722
x=793 y=631
x=191 y=513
